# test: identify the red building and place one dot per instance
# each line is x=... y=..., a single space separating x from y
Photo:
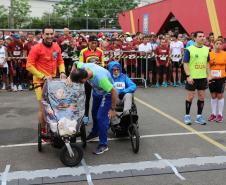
x=186 y=15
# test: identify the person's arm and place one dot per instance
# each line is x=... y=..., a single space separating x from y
x=112 y=112
x=61 y=66
x=208 y=68
x=31 y=61
x=186 y=66
x=130 y=86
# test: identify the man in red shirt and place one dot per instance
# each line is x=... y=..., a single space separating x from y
x=43 y=60
x=27 y=47
x=15 y=49
x=162 y=62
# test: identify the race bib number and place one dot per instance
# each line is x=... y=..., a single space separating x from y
x=163 y=57
x=119 y=85
x=216 y=73
x=16 y=53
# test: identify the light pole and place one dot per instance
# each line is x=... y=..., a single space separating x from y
x=87 y=19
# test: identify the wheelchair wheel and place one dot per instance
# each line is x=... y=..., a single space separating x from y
x=39 y=138
x=67 y=160
x=83 y=135
x=134 y=108
x=134 y=137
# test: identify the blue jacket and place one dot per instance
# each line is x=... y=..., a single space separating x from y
x=122 y=83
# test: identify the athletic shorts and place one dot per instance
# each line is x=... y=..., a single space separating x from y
x=217 y=85
x=38 y=91
x=162 y=69
x=199 y=84
x=142 y=65
x=176 y=64
x=3 y=70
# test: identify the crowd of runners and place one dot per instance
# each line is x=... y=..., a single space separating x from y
x=163 y=60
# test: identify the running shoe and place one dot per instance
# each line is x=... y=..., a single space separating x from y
x=174 y=84
x=164 y=84
x=3 y=86
x=91 y=137
x=212 y=117
x=157 y=85
x=101 y=149
x=200 y=120
x=179 y=84
x=219 y=119
x=20 y=88
x=14 y=88
x=44 y=132
x=187 y=120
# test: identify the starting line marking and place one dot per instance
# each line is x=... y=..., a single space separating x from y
x=171 y=166
x=118 y=168
x=116 y=139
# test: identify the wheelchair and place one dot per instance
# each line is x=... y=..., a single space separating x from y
x=127 y=125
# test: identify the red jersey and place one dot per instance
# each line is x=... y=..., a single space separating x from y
x=131 y=60
x=15 y=49
x=29 y=45
x=162 y=53
x=43 y=61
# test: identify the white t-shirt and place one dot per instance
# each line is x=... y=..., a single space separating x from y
x=176 y=50
x=3 y=56
x=145 y=48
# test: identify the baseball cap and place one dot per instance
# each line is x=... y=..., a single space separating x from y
x=16 y=36
x=93 y=38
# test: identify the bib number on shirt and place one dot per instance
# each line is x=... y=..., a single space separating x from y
x=119 y=85
x=163 y=57
x=216 y=73
x=16 y=53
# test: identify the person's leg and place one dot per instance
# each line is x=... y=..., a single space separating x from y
x=200 y=102
x=127 y=99
x=88 y=90
x=103 y=119
x=95 y=107
x=41 y=119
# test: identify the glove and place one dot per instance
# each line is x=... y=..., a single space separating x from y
x=121 y=95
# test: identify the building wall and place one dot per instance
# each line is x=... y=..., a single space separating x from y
x=193 y=15
x=38 y=7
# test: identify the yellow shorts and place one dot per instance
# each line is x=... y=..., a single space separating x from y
x=38 y=91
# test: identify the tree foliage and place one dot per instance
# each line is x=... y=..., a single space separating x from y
x=21 y=11
x=3 y=17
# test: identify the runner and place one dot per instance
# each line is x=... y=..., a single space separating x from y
x=86 y=56
x=216 y=87
x=162 y=62
x=196 y=67
x=42 y=62
x=3 y=64
x=104 y=99
x=176 y=52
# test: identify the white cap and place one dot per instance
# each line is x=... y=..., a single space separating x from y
x=129 y=39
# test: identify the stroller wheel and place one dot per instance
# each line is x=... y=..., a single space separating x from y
x=134 y=137
x=67 y=160
x=83 y=135
x=39 y=138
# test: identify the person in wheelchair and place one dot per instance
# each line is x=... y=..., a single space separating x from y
x=124 y=85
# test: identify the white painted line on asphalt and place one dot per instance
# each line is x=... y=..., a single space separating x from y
x=88 y=175
x=4 y=175
x=115 y=139
x=171 y=166
x=118 y=168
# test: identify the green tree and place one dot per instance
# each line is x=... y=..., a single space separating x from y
x=21 y=11
x=94 y=13
x=3 y=17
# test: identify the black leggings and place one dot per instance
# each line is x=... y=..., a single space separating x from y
x=88 y=90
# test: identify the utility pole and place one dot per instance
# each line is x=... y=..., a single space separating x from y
x=11 y=18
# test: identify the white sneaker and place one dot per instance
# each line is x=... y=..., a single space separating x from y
x=20 y=88
x=15 y=88
x=3 y=86
x=11 y=85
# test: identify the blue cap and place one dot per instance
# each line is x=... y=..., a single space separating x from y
x=16 y=36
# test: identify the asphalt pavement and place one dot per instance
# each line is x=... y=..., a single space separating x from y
x=171 y=153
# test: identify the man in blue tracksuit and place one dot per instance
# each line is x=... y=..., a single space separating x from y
x=123 y=84
x=104 y=99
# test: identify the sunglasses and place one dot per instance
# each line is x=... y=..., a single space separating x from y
x=116 y=69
